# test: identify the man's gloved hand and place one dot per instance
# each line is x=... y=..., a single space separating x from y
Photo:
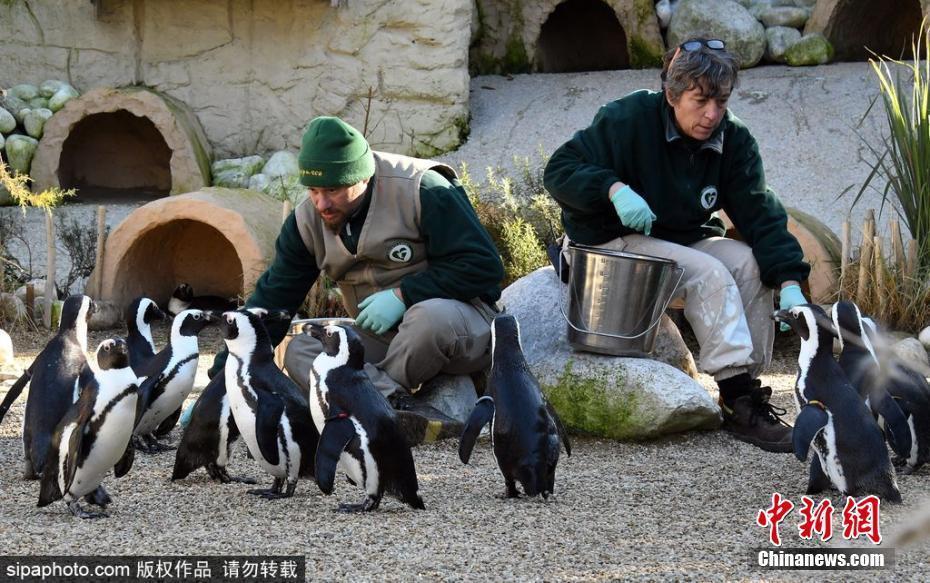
x=789 y=297
x=634 y=212
x=380 y=311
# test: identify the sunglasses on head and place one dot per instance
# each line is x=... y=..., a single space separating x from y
x=693 y=45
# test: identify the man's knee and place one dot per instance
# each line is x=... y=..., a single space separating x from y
x=453 y=326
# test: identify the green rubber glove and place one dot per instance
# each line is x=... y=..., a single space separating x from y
x=634 y=212
x=380 y=311
x=789 y=297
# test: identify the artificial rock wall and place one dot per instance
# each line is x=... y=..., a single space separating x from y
x=255 y=71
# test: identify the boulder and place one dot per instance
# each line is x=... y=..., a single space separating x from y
x=778 y=39
x=7 y=121
x=12 y=308
x=924 y=337
x=107 y=316
x=61 y=97
x=811 y=49
x=51 y=87
x=19 y=152
x=724 y=19
x=34 y=121
x=281 y=163
x=235 y=172
x=912 y=352
x=789 y=16
x=616 y=397
x=451 y=395
x=24 y=91
x=38 y=103
x=259 y=182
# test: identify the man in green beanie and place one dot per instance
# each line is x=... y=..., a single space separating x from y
x=416 y=268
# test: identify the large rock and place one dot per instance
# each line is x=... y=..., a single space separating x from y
x=785 y=16
x=616 y=397
x=235 y=172
x=19 y=152
x=7 y=121
x=778 y=39
x=451 y=395
x=912 y=352
x=34 y=121
x=724 y=19
x=812 y=49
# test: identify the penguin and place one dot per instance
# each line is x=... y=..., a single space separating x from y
x=169 y=377
x=183 y=298
x=211 y=432
x=832 y=418
x=94 y=435
x=141 y=313
x=526 y=432
x=860 y=364
x=359 y=433
x=903 y=391
x=269 y=409
x=55 y=378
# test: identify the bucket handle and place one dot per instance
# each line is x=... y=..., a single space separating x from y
x=681 y=273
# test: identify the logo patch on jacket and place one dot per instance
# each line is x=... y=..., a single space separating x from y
x=709 y=197
x=400 y=251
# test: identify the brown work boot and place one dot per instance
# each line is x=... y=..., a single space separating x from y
x=753 y=419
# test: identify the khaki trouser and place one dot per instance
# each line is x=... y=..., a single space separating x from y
x=726 y=304
x=434 y=336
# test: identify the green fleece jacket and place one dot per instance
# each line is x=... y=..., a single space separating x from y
x=634 y=140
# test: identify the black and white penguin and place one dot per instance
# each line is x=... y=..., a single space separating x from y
x=832 y=418
x=93 y=437
x=183 y=298
x=271 y=413
x=211 y=433
x=169 y=377
x=140 y=315
x=358 y=428
x=525 y=429
x=861 y=366
x=902 y=391
x=54 y=379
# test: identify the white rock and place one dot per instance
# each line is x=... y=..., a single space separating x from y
x=616 y=397
x=107 y=316
x=6 y=347
x=281 y=163
x=924 y=337
x=912 y=352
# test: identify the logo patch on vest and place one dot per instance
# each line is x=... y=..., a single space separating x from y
x=709 y=197
x=400 y=252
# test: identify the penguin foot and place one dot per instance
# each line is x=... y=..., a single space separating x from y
x=29 y=472
x=76 y=510
x=98 y=497
x=270 y=494
x=370 y=503
x=222 y=476
x=150 y=445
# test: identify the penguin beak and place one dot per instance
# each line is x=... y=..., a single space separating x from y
x=210 y=316
x=160 y=315
x=314 y=330
x=782 y=316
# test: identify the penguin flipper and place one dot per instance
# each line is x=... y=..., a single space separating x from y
x=168 y=423
x=480 y=416
x=897 y=429
x=337 y=433
x=809 y=422
x=124 y=464
x=267 y=419
x=563 y=435
x=14 y=392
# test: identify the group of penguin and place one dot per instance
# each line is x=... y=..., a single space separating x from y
x=83 y=419
x=849 y=407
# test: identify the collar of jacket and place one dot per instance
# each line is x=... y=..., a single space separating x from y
x=714 y=142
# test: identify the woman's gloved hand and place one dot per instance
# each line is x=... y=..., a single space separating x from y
x=634 y=212
x=789 y=297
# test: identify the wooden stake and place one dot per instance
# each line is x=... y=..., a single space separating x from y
x=878 y=277
x=50 y=295
x=31 y=302
x=912 y=258
x=846 y=243
x=897 y=246
x=93 y=288
x=865 y=258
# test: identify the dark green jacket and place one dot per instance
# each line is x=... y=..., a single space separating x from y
x=463 y=261
x=634 y=140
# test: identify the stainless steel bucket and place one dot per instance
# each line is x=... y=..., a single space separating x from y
x=616 y=299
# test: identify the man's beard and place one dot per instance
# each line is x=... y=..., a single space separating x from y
x=335 y=223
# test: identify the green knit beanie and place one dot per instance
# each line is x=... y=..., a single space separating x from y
x=333 y=153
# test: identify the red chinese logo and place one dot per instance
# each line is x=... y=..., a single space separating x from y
x=773 y=515
x=816 y=519
x=861 y=518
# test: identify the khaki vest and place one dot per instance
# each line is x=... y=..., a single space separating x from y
x=390 y=246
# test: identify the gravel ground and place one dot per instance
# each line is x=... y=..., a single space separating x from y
x=680 y=508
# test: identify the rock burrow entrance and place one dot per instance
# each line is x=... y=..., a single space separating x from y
x=854 y=27
x=219 y=240
x=130 y=142
x=581 y=35
x=118 y=155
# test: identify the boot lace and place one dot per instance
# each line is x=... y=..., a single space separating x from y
x=762 y=409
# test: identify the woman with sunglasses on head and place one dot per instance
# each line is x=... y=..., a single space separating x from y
x=648 y=175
